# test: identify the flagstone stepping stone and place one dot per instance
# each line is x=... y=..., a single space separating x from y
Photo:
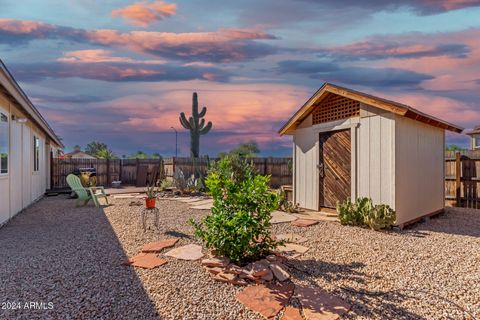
x=267 y=300
x=279 y=271
x=304 y=223
x=202 y=202
x=281 y=217
x=124 y=196
x=293 y=249
x=207 y=206
x=291 y=313
x=291 y=237
x=190 y=200
x=158 y=246
x=215 y=262
x=188 y=252
x=318 y=304
x=146 y=261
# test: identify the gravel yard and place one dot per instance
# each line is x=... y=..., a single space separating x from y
x=72 y=257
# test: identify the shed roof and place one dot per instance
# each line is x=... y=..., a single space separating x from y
x=381 y=103
x=13 y=90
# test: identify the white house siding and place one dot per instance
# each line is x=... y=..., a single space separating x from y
x=419 y=166
x=376 y=160
x=21 y=186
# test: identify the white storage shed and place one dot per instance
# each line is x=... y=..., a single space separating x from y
x=351 y=144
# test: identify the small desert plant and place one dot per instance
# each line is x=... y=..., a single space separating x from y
x=348 y=213
x=363 y=212
x=151 y=191
x=285 y=205
x=380 y=217
x=195 y=184
x=239 y=225
x=179 y=180
x=166 y=184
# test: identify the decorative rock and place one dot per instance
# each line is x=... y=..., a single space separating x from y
x=268 y=300
x=304 y=223
x=268 y=276
x=320 y=305
x=216 y=262
x=158 y=246
x=272 y=258
x=188 y=252
x=226 y=276
x=279 y=271
x=292 y=237
x=214 y=270
x=291 y=313
x=260 y=269
x=146 y=261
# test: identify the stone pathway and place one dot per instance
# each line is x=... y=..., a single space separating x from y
x=304 y=223
x=320 y=305
x=291 y=313
x=281 y=217
x=292 y=250
x=317 y=215
x=267 y=300
x=146 y=261
x=158 y=246
x=188 y=252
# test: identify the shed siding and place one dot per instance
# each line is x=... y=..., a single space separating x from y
x=376 y=174
x=419 y=154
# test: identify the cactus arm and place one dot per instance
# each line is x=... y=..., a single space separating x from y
x=192 y=123
x=201 y=124
x=203 y=112
x=206 y=128
x=195 y=105
x=183 y=121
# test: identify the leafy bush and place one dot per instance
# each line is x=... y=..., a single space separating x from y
x=239 y=224
x=363 y=212
x=380 y=217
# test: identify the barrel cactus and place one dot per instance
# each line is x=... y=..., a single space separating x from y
x=196 y=125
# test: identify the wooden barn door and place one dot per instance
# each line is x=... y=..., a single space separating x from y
x=334 y=167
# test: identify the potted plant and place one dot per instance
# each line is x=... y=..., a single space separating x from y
x=151 y=197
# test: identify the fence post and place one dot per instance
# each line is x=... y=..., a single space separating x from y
x=108 y=172
x=120 y=169
x=51 y=169
x=458 y=178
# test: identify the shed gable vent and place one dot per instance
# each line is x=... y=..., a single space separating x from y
x=335 y=107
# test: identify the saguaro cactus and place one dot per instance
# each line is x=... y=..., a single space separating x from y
x=196 y=125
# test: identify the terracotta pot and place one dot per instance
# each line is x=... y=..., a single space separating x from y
x=150 y=203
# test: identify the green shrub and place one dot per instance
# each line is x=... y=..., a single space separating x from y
x=285 y=205
x=166 y=184
x=364 y=213
x=239 y=224
x=380 y=217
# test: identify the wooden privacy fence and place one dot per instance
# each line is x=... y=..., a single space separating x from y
x=462 y=178
x=140 y=172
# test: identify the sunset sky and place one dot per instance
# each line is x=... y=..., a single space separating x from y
x=121 y=71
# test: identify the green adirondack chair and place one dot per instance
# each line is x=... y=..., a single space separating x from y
x=85 y=194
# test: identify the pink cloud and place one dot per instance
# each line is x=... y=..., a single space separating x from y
x=145 y=13
x=224 y=45
x=101 y=55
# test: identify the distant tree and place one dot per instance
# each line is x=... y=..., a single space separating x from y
x=94 y=147
x=99 y=150
x=453 y=147
x=156 y=155
x=106 y=154
x=139 y=155
x=246 y=150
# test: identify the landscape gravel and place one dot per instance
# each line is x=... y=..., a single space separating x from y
x=73 y=258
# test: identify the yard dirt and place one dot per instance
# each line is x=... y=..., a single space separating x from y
x=62 y=262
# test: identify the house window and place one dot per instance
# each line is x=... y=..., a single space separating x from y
x=4 y=143
x=477 y=141
x=36 y=153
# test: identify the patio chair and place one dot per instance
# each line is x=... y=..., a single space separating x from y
x=85 y=194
